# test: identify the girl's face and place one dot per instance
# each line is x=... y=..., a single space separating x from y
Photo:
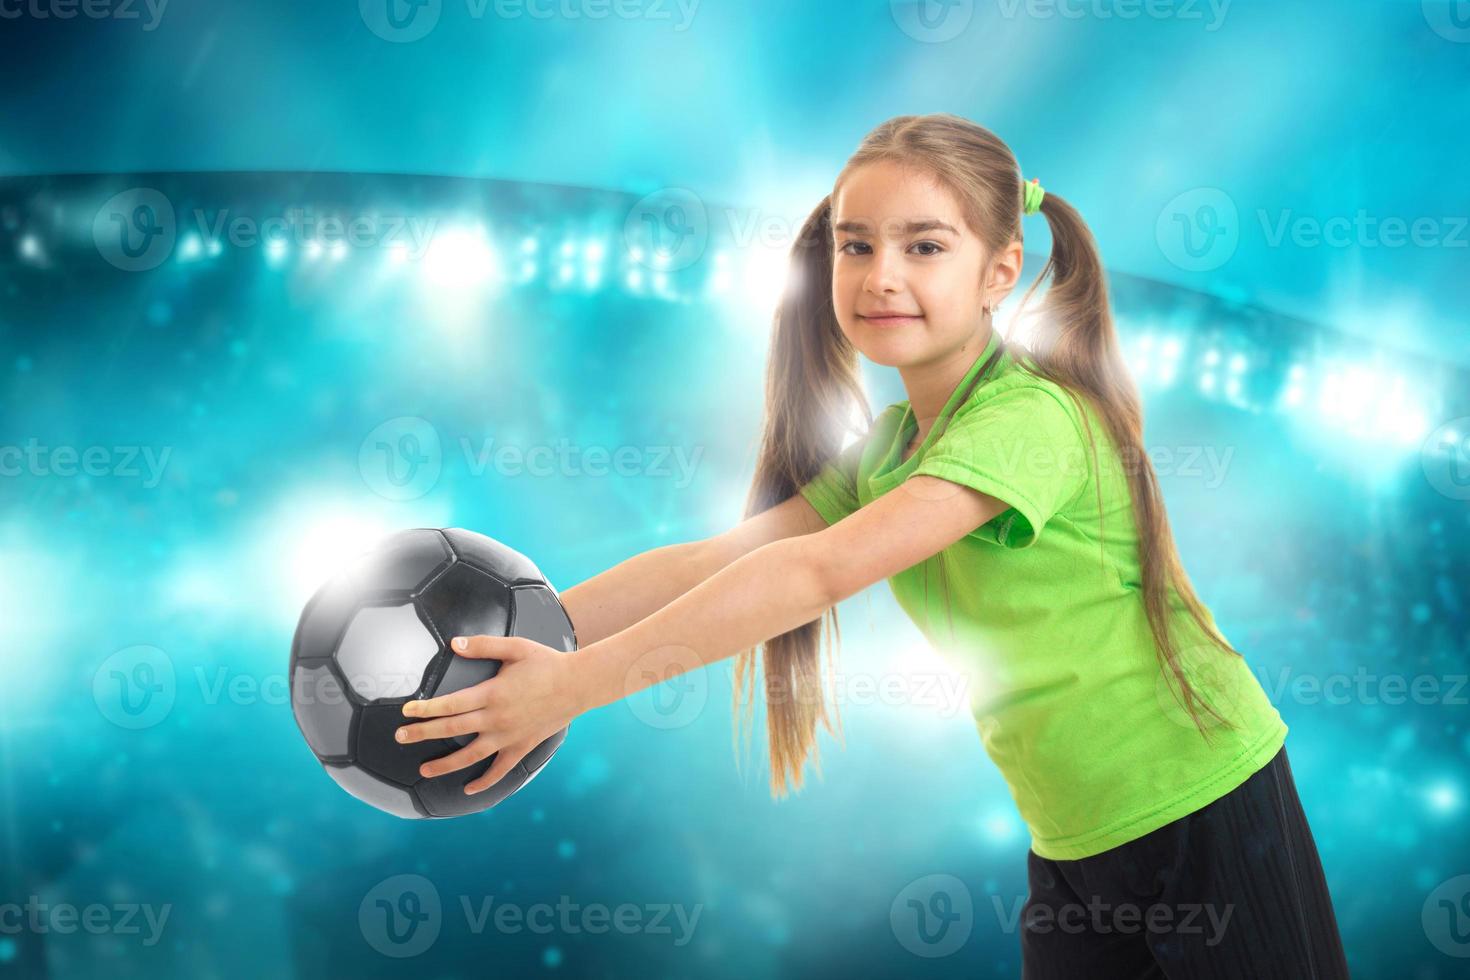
x=908 y=275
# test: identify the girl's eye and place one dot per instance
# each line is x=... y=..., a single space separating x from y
x=935 y=246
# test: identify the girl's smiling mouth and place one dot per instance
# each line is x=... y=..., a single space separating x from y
x=890 y=318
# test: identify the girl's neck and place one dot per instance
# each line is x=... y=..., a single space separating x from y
x=930 y=385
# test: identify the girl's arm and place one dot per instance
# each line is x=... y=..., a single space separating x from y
x=781 y=585
x=635 y=589
x=771 y=587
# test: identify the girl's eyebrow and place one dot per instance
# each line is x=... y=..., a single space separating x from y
x=912 y=227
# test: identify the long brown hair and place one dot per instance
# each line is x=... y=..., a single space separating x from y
x=813 y=392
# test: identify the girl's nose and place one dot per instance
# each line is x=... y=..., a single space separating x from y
x=884 y=271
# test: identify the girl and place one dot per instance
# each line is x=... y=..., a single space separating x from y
x=1143 y=755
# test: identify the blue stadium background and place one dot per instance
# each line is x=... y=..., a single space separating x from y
x=191 y=436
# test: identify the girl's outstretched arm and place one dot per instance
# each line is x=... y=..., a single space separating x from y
x=769 y=588
x=781 y=585
x=634 y=589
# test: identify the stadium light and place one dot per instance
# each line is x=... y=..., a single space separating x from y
x=459 y=259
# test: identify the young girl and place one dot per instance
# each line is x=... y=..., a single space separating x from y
x=1140 y=750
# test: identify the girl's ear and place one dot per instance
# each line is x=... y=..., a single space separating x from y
x=1005 y=271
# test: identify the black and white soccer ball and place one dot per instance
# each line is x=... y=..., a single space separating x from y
x=377 y=635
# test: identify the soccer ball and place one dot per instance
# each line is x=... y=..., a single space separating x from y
x=377 y=634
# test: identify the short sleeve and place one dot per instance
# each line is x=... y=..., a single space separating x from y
x=833 y=491
x=1021 y=445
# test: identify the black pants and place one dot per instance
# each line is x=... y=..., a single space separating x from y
x=1234 y=889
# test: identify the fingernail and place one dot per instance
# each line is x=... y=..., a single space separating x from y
x=401 y=735
x=460 y=643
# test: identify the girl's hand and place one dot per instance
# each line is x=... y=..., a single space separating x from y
x=531 y=698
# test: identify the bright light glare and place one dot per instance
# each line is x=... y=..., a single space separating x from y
x=459 y=259
x=765 y=276
x=1443 y=798
x=1364 y=403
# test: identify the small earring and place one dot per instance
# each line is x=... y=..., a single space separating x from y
x=991 y=308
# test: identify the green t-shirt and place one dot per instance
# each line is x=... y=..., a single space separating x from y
x=1046 y=619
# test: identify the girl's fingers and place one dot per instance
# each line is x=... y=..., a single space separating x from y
x=462 y=724
x=490 y=647
x=456 y=703
x=479 y=749
x=500 y=768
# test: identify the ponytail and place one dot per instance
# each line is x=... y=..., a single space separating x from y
x=1076 y=346
x=813 y=390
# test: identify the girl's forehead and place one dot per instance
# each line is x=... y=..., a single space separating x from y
x=871 y=194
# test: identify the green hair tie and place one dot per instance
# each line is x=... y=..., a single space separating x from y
x=1034 y=194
